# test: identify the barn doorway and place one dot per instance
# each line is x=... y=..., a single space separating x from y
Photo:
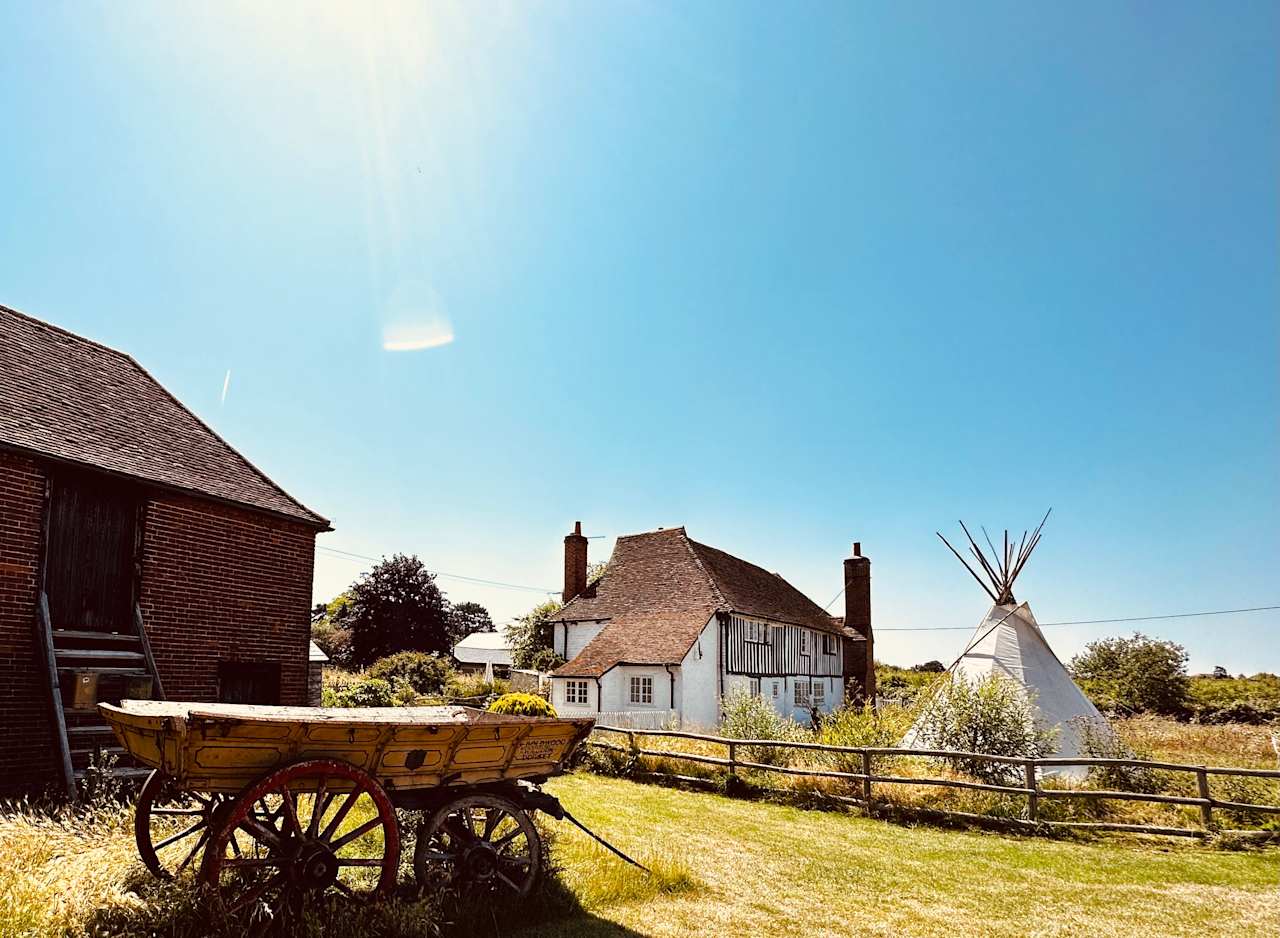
x=89 y=560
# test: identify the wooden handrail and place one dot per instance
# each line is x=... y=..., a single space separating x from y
x=1033 y=790
x=44 y=629
x=1045 y=762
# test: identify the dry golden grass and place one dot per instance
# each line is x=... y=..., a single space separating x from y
x=1230 y=744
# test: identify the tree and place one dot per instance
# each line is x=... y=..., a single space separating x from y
x=397 y=606
x=929 y=667
x=1220 y=673
x=1135 y=674
x=531 y=634
x=329 y=629
x=471 y=617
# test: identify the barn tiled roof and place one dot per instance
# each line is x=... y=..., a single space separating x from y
x=69 y=398
x=659 y=590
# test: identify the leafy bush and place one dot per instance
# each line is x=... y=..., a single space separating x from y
x=523 y=705
x=749 y=716
x=544 y=659
x=425 y=673
x=1243 y=789
x=994 y=715
x=1099 y=741
x=1137 y=674
x=470 y=688
x=863 y=725
x=366 y=692
x=903 y=685
x=1218 y=699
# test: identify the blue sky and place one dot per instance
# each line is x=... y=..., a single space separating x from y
x=789 y=275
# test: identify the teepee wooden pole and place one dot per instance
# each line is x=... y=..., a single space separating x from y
x=975 y=576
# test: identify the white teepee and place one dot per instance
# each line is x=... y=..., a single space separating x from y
x=1009 y=642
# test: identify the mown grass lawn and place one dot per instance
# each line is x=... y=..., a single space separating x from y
x=774 y=870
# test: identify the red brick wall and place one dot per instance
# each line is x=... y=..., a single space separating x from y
x=222 y=584
x=218 y=584
x=26 y=739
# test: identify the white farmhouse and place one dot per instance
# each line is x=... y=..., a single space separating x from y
x=673 y=626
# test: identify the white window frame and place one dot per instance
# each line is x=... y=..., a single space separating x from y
x=642 y=690
x=753 y=686
x=777 y=689
x=801 y=695
x=818 y=692
x=575 y=692
x=829 y=645
x=757 y=632
x=804 y=641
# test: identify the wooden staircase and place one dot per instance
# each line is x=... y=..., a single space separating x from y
x=85 y=668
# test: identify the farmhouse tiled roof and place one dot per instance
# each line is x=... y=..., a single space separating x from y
x=69 y=398
x=659 y=590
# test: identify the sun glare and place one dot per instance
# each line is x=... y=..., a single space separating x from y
x=414 y=337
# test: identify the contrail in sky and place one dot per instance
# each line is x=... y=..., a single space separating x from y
x=226 y=383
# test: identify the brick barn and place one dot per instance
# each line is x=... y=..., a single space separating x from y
x=140 y=554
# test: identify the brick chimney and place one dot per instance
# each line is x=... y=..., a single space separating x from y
x=575 y=562
x=857 y=615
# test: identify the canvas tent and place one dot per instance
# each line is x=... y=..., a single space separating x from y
x=1008 y=642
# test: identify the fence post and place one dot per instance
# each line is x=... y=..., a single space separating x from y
x=866 y=781
x=1033 y=795
x=1206 y=810
x=733 y=768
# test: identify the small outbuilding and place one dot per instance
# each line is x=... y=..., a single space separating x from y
x=140 y=555
x=482 y=650
x=316 y=660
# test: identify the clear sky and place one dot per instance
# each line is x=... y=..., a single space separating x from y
x=790 y=275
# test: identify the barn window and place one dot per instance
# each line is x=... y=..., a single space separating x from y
x=804 y=642
x=249 y=682
x=777 y=689
x=758 y=632
x=819 y=692
x=642 y=690
x=754 y=687
x=828 y=644
x=575 y=692
x=802 y=693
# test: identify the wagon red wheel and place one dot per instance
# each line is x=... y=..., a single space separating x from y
x=479 y=844
x=171 y=826
x=306 y=831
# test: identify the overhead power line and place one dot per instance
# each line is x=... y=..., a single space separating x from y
x=924 y=628
x=452 y=576
x=1175 y=615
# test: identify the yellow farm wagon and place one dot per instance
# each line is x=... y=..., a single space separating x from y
x=276 y=807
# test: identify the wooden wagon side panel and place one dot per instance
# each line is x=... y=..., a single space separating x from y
x=224 y=750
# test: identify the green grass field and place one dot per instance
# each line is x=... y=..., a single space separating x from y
x=723 y=866
x=772 y=869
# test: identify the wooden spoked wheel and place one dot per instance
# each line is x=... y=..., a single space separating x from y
x=171 y=826
x=476 y=845
x=310 y=830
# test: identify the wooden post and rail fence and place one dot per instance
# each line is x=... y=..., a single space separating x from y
x=1031 y=786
